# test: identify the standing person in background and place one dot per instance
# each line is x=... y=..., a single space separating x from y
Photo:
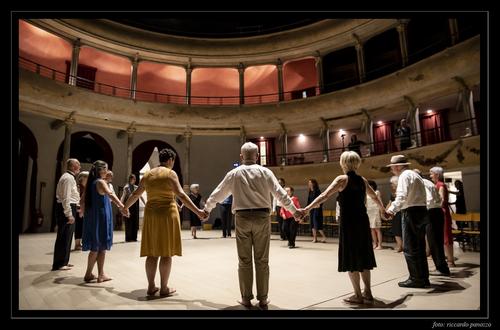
x=436 y=174
x=132 y=222
x=460 y=207
x=67 y=200
x=374 y=216
x=277 y=208
x=434 y=230
x=82 y=182
x=289 y=223
x=316 y=215
x=404 y=133
x=195 y=197
x=227 y=216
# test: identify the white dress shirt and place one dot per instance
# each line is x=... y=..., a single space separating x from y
x=67 y=193
x=410 y=192
x=432 y=195
x=251 y=187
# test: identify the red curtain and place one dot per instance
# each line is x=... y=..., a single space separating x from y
x=270 y=151
x=382 y=138
x=434 y=127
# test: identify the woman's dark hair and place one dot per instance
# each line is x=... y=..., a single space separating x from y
x=132 y=176
x=166 y=154
x=459 y=184
x=291 y=189
x=314 y=184
x=373 y=184
x=97 y=167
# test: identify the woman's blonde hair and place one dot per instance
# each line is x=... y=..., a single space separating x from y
x=349 y=161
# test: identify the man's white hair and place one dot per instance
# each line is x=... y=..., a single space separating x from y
x=194 y=186
x=249 y=149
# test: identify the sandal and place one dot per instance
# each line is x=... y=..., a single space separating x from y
x=354 y=300
x=169 y=292
x=103 y=278
x=152 y=292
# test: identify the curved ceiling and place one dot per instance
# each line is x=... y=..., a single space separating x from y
x=230 y=26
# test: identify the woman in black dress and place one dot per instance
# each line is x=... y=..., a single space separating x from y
x=316 y=214
x=195 y=196
x=355 y=241
x=460 y=201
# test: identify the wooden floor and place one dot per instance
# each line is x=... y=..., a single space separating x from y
x=206 y=277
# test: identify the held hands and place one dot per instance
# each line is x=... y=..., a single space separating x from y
x=125 y=212
x=203 y=215
x=299 y=215
x=71 y=220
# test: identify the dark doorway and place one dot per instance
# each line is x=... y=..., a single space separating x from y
x=85 y=76
x=27 y=184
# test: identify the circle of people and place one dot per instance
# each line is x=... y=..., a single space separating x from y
x=419 y=210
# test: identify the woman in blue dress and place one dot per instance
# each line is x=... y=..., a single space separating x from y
x=98 y=220
x=316 y=215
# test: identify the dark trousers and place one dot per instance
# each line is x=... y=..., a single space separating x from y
x=280 y=223
x=227 y=219
x=435 y=237
x=290 y=229
x=64 y=237
x=132 y=224
x=78 y=226
x=415 y=220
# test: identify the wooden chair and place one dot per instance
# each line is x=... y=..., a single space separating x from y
x=468 y=229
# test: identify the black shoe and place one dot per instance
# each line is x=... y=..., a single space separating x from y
x=291 y=246
x=413 y=284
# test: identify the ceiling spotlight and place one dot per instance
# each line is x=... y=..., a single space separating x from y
x=429 y=111
x=262 y=138
x=380 y=122
x=302 y=137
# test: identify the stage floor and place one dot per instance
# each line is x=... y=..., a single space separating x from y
x=206 y=277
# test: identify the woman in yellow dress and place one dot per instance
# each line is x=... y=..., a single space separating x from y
x=161 y=231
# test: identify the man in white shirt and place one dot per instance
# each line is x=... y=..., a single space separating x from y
x=252 y=186
x=435 y=228
x=68 y=198
x=277 y=208
x=412 y=201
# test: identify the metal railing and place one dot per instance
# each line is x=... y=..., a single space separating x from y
x=435 y=135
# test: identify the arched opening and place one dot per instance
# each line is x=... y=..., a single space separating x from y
x=300 y=78
x=28 y=170
x=87 y=147
x=382 y=54
x=340 y=69
x=142 y=154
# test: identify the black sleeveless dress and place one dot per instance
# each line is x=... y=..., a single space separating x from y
x=355 y=240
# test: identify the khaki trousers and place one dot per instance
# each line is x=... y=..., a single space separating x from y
x=253 y=231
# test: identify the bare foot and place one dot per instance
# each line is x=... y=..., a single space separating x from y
x=314 y=241
x=90 y=278
x=354 y=300
x=168 y=292
x=103 y=278
x=323 y=240
x=379 y=247
x=152 y=291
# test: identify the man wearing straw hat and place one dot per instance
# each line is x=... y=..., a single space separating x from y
x=411 y=200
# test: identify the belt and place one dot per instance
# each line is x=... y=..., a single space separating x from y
x=254 y=210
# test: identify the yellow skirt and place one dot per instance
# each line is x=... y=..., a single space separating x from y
x=161 y=230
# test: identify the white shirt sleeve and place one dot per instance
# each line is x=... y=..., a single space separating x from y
x=220 y=193
x=280 y=194
x=66 y=196
x=401 y=193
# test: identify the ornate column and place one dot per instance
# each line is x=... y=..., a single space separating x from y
x=68 y=125
x=319 y=71
x=403 y=40
x=189 y=70
x=368 y=128
x=453 y=24
x=284 y=144
x=243 y=135
x=241 y=72
x=325 y=136
x=279 y=65
x=465 y=96
x=75 y=55
x=361 y=57
x=133 y=77
x=130 y=141
x=187 y=135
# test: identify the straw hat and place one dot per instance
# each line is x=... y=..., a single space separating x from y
x=398 y=160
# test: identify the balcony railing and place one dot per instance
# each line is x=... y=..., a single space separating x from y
x=435 y=135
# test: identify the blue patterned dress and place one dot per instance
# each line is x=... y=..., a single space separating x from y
x=97 y=222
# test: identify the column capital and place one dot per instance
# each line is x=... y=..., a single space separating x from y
x=77 y=43
x=241 y=67
x=279 y=64
x=460 y=81
x=358 y=43
x=188 y=134
x=135 y=59
x=70 y=120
